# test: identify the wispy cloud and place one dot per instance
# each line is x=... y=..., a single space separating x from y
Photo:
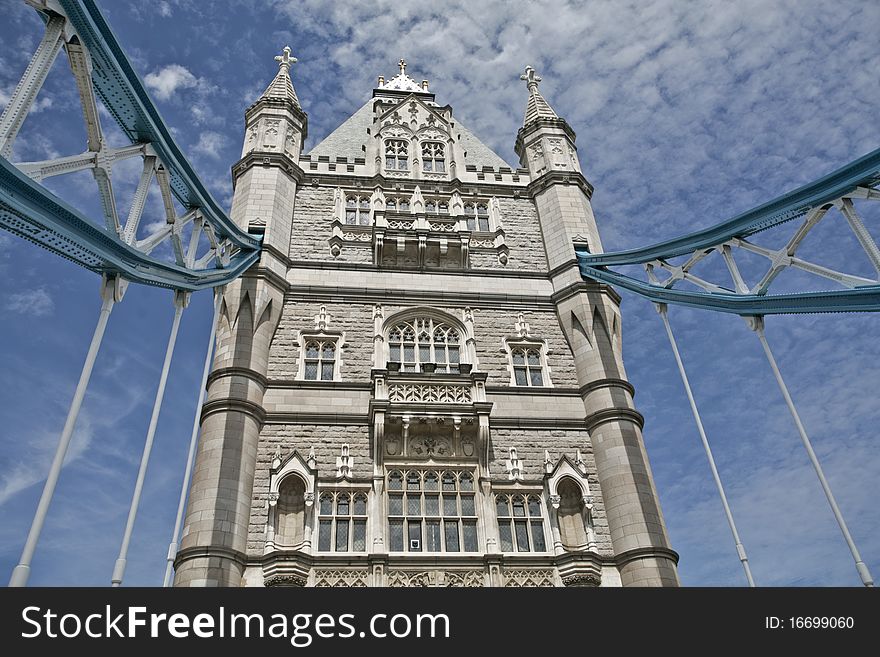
x=166 y=81
x=210 y=144
x=37 y=302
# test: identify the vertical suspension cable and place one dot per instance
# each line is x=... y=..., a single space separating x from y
x=757 y=325
x=740 y=548
x=109 y=290
x=193 y=441
x=180 y=299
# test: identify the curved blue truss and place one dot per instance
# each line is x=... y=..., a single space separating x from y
x=31 y=211
x=862 y=173
x=124 y=96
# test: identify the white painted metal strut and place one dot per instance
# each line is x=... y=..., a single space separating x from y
x=193 y=442
x=757 y=325
x=110 y=294
x=740 y=548
x=180 y=301
x=29 y=85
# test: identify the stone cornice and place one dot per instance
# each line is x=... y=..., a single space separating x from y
x=228 y=405
x=223 y=372
x=481 y=187
x=529 y=391
x=266 y=274
x=362 y=419
x=551 y=178
x=585 y=286
x=523 y=134
x=550 y=422
x=321 y=385
x=208 y=551
x=256 y=158
x=645 y=553
x=607 y=415
x=586 y=389
x=426 y=297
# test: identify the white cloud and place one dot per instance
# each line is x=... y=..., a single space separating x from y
x=164 y=9
x=210 y=143
x=36 y=302
x=168 y=80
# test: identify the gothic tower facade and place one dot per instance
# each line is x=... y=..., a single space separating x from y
x=415 y=386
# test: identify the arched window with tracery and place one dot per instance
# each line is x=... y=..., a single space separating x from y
x=477 y=216
x=320 y=360
x=571 y=515
x=424 y=340
x=433 y=157
x=290 y=512
x=396 y=154
x=357 y=210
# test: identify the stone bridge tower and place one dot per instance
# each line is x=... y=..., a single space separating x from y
x=415 y=387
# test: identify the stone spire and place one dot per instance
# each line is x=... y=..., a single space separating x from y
x=281 y=87
x=536 y=107
x=402 y=82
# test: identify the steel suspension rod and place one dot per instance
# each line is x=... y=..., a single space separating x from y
x=757 y=325
x=119 y=568
x=193 y=442
x=740 y=548
x=109 y=289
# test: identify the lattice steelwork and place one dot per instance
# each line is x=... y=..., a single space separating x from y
x=811 y=203
x=206 y=248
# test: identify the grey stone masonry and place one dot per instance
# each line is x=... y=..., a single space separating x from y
x=507 y=384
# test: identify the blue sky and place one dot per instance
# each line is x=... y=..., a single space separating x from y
x=686 y=114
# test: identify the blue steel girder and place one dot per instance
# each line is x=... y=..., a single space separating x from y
x=31 y=211
x=125 y=97
x=857 y=179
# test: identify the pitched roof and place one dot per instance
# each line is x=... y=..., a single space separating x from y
x=349 y=138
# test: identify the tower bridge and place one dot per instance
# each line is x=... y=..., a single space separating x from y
x=367 y=430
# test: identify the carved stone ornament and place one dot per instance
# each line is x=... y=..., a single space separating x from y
x=428 y=447
x=582 y=579
x=285 y=580
x=543 y=578
x=341 y=578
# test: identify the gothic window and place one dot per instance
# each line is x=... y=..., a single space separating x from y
x=342 y=522
x=477 y=216
x=431 y=511
x=528 y=368
x=571 y=515
x=397 y=205
x=290 y=512
x=357 y=210
x=433 y=157
x=520 y=523
x=421 y=341
x=320 y=360
x=396 y=154
x=436 y=206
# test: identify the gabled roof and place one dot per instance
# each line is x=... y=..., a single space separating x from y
x=350 y=137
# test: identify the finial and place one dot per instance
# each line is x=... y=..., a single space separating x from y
x=285 y=59
x=402 y=65
x=532 y=79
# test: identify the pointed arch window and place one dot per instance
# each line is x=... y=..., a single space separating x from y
x=431 y=511
x=342 y=522
x=436 y=206
x=433 y=157
x=520 y=523
x=396 y=154
x=397 y=205
x=357 y=210
x=320 y=360
x=477 y=216
x=425 y=341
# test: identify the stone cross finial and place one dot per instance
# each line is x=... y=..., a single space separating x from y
x=402 y=65
x=532 y=79
x=285 y=59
